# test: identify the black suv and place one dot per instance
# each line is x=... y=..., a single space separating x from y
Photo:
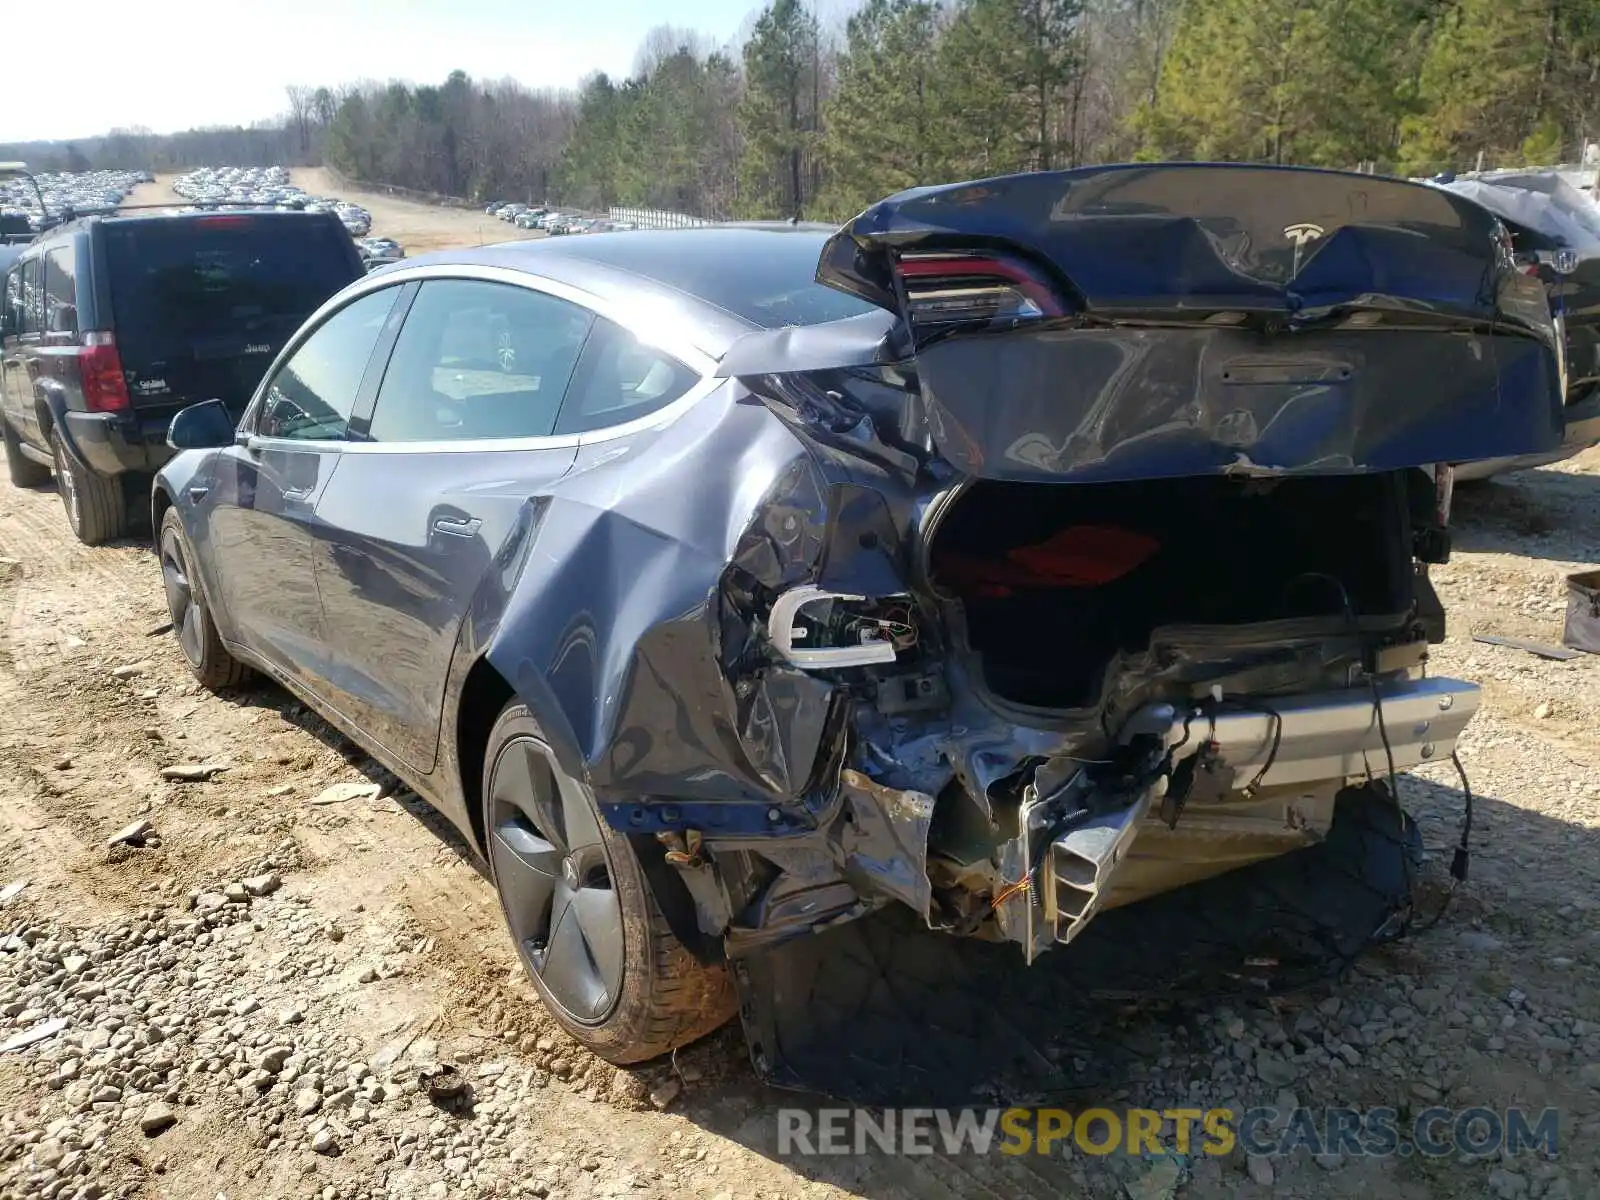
x=112 y=324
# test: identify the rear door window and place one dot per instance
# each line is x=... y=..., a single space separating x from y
x=177 y=282
x=32 y=296
x=60 y=292
x=479 y=360
x=13 y=300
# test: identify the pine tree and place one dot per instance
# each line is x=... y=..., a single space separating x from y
x=985 y=120
x=1481 y=84
x=1009 y=69
x=779 y=113
x=881 y=121
x=588 y=171
x=1285 y=81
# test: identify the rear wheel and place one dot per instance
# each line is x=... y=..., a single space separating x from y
x=23 y=470
x=96 y=507
x=192 y=625
x=585 y=923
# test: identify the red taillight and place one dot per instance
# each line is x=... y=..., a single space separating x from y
x=963 y=287
x=105 y=388
x=223 y=222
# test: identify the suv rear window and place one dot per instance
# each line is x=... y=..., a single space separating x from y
x=190 y=279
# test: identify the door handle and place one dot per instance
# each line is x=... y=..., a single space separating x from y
x=464 y=527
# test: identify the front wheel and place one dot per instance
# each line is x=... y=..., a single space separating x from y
x=196 y=632
x=96 y=506
x=585 y=922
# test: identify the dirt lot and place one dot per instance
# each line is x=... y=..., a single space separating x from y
x=261 y=981
x=417 y=227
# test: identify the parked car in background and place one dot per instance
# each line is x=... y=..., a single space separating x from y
x=965 y=633
x=262 y=187
x=112 y=324
x=31 y=203
x=380 y=249
x=529 y=219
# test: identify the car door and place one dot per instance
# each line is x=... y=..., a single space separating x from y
x=24 y=328
x=10 y=335
x=264 y=493
x=460 y=444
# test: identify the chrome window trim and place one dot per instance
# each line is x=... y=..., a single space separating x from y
x=660 y=416
x=625 y=315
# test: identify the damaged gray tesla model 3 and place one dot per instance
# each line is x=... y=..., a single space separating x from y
x=1021 y=551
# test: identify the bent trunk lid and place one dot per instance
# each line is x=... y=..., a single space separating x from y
x=1141 y=322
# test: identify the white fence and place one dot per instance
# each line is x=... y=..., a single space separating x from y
x=655 y=218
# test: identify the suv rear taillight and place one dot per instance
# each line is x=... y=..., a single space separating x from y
x=959 y=288
x=105 y=388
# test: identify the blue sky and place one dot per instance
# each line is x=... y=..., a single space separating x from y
x=173 y=64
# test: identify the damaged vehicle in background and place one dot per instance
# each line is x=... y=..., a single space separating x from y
x=1555 y=237
x=1024 y=549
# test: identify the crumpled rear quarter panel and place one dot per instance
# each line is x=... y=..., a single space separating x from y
x=616 y=620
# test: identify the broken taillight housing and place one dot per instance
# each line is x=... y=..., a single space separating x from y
x=944 y=288
x=815 y=629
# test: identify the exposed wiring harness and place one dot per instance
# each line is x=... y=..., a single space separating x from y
x=1460 y=860
x=896 y=624
x=1057 y=827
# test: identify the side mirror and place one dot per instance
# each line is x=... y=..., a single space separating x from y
x=203 y=426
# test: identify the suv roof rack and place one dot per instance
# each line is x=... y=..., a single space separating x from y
x=265 y=207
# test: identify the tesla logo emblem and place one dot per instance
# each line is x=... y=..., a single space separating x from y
x=1302 y=233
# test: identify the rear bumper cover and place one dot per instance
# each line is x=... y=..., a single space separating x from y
x=115 y=443
x=1287 y=751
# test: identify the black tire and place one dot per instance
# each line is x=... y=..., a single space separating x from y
x=661 y=997
x=24 y=472
x=192 y=625
x=96 y=507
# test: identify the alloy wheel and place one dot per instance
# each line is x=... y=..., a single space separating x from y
x=185 y=608
x=68 y=486
x=555 y=881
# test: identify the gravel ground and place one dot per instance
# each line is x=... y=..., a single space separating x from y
x=295 y=982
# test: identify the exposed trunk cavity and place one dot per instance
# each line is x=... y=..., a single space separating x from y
x=1053 y=581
